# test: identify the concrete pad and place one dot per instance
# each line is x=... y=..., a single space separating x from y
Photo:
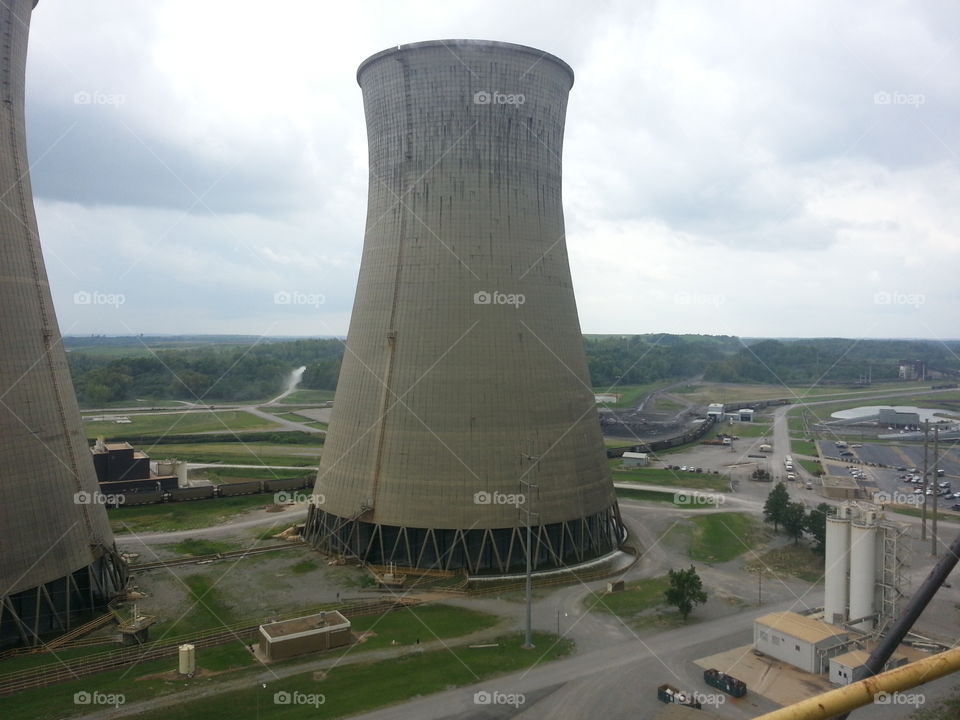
x=776 y=681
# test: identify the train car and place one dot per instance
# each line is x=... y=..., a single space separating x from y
x=275 y=484
x=144 y=497
x=194 y=493
x=252 y=487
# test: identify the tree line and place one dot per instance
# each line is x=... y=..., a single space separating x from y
x=226 y=369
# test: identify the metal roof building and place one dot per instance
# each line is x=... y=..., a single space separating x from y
x=464 y=401
x=801 y=641
x=56 y=548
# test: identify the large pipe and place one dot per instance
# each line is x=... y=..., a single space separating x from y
x=864 y=692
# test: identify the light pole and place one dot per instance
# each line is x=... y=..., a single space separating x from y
x=528 y=640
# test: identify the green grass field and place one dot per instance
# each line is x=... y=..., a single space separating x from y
x=638 y=596
x=810 y=466
x=391 y=630
x=672 y=478
x=307 y=397
x=797 y=560
x=721 y=537
x=803 y=447
x=188 y=515
x=220 y=475
x=253 y=453
x=629 y=395
x=178 y=424
x=656 y=496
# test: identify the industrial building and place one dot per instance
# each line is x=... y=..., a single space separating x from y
x=852 y=666
x=799 y=640
x=58 y=558
x=715 y=411
x=299 y=636
x=863 y=571
x=122 y=469
x=892 y=417
x=635 y=459
x=464 y=409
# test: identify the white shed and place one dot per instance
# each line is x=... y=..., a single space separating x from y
x=635 y=459
x=798 y=640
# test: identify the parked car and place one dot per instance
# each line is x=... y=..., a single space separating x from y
x=955 y=506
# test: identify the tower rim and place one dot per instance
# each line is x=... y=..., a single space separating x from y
x=472 y=43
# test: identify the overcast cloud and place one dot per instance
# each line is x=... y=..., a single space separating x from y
x=750 y=168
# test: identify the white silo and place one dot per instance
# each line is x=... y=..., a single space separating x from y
x=835 y=583
x=863 y=544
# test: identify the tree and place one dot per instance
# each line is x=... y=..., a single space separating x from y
x=817 y=525
x=685 y=590
x=776 y=505
x=795 y=520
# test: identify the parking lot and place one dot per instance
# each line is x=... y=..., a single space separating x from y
x=883 y=468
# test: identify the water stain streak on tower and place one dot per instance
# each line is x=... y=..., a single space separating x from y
x=464 y=406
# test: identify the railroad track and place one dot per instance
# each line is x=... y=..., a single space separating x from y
x=197 y=559
x=64 y=671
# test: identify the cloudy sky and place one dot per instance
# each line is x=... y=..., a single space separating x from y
x=749 y=168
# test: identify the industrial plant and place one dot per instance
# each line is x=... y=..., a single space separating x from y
x=58 y=557
x=464 y=409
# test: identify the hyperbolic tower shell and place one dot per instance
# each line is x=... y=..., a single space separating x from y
x=464 y=401
x=57 y=555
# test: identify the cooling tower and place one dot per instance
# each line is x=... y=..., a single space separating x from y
x=464 y=405
x=56 y=548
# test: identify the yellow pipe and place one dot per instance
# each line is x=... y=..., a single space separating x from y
x=863 y=692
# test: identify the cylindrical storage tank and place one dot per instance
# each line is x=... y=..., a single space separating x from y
x=188 y=659
x=836 y=567
x=863 y=548
x=57 y=554
x=182 y=474
x=464 y=405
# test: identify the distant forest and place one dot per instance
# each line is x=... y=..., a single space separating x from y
x=240 y=368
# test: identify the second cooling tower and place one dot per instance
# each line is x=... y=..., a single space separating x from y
x=464 y=407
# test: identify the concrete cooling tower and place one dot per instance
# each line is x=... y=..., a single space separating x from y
x=57 y=556
x=464 y=406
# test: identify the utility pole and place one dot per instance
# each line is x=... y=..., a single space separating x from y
x=526 y=484
x=936 y=488
x=923 y=508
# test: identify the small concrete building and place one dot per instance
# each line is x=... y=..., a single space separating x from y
x=715 y=411
x=746 y=415
x=798 y=640
x=311 y=633
x=851 y=666
x=635 y=459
